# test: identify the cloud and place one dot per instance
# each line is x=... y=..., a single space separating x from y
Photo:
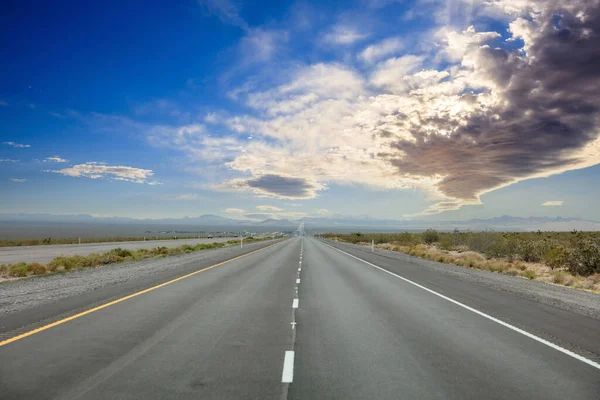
x=344 y=35
x=17 y=145
x=56 y=159
x=187 y=196
x=227 y=11
x=553 y=203
x=278 y=186
x=393 y=75
x=382 y=49
x=18 y=180
x=235 y=211
x=8 y=160
x=456 y=121
x=94 y=170
x=261 y=45
x=269 y=208
x=57 y=115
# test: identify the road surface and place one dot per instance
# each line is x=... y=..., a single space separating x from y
x=300 y=319
x=46 y=253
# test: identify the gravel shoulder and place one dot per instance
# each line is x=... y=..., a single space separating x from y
x=569 y=299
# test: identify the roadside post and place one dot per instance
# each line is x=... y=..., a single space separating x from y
x=373 y=245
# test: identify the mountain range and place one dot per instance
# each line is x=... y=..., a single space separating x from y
x=504 y=222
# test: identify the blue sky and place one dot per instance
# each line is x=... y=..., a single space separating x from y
x=392 y=109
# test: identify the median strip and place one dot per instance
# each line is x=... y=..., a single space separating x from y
x=62 y=321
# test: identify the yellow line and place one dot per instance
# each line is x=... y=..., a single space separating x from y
x=91 y=310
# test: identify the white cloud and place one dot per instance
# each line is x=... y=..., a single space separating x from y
x=261 y=45
x=553 y=203
x=345 y=35
x=94 y=170
x=457 y=122
x=385 y=48
x=392 y=75
x=227 y=11
x=17 y=145
x=187 y=196
x=235 y=211
x=8 y=160
x=17 y=180
x=56 y=159
x=269 y=208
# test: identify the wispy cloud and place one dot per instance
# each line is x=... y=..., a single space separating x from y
x=343 y=34
x=235 y=211
x=95 y=170
x=18 y=180
x=17 y=145
x=8 y=160
x=187 y=196
x=227 y=11
x=269 y=208
x=385 y=48
x=553 y=203
x=55 y=159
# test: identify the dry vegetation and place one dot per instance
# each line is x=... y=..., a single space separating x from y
x=69 y=263
x=562 y=258
x=39 y=242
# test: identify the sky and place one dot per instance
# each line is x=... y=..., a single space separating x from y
x=428 y=109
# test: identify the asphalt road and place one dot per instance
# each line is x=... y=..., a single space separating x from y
x=352 y=330
x=46 y=253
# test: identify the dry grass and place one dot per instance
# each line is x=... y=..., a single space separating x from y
x=60 y=264
x=474 y=260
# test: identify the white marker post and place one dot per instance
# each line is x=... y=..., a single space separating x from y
x=241 y=242
x=373 y=246
x=79 y=240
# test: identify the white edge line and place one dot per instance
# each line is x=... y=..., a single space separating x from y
x=507 y=325
x=288 y=368
x=298 y=280
x=295 y=303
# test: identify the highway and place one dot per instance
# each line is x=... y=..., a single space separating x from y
x=302 y=318
x=46 y=253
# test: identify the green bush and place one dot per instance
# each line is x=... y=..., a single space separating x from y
x=430 y=236
x=585 y=257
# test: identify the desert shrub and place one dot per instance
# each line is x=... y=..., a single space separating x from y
x=555 y=257
x=18 y=270
x=122 y=252
x=585 y=258
x=440 y=259
x=37 y=268
x=529 y=251
x=430 y=236
x=529 y=274
x=559 y=277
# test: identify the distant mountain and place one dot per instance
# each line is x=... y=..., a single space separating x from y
x=502 y=223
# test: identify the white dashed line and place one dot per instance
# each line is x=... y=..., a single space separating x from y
x=298 y=280
x=288 y=368
x=295 y=303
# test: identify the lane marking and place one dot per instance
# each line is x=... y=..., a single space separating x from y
x=466 y=307
x=295 y=303
x=91 y=310
x=299 y=269
x=288 y=368
x=298 y=280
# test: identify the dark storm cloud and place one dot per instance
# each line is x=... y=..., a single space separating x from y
x=282 y=186
x=549 y=111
